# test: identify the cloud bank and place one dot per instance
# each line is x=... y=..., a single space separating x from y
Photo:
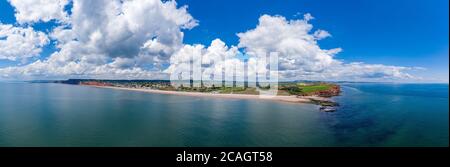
x=143 y=39
x=17 y=43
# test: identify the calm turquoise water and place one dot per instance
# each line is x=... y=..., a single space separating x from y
x=370 y=115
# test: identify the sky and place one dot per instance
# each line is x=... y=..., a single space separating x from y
x=360 y=40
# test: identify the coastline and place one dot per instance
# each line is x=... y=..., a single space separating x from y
x=290 y=99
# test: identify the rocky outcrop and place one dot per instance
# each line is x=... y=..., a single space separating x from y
x=333 y=91
x=326 y=105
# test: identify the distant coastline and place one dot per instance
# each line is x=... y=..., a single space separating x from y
x=318 y=93
x=292 y=98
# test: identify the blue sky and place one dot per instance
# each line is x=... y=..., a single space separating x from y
x=399 y=32
x=411 y=33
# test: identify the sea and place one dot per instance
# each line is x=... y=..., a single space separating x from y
x=369 y=115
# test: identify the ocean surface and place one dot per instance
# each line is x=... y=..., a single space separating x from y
x=44 y=114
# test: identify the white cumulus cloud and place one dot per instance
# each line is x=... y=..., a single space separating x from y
x=32 y=11
x=112 y=39
x=17 y=43
x=301 y=57
x=144 y=39
x=125 y=28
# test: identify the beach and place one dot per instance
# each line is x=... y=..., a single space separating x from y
x=290 y=99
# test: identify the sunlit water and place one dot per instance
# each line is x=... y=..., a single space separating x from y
x=40 y=114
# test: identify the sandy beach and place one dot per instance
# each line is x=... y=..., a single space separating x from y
x=291 y=99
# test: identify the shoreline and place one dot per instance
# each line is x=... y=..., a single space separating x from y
x=290 y=99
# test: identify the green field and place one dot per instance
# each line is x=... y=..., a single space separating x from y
x=284 y=89
x=238 y=90
x=303 y=88
x=314 y=88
